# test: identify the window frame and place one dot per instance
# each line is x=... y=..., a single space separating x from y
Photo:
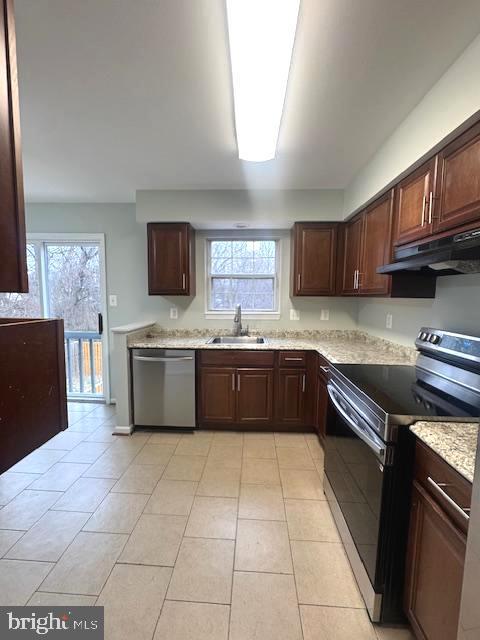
x=273 y=314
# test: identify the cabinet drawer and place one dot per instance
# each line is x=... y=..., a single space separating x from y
x=230 y=357
x=442 y=483
x=292 y=358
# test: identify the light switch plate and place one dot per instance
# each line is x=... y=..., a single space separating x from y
x=389 y=321
x=173 y=313
x=112 y=300
x=294 y=314
x=325 y=314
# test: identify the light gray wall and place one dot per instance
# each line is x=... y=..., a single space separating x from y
x=450 y=102
x=126 y=245
x=260 y=208
x=456 y=307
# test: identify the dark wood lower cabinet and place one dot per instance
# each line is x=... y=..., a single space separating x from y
x=33 y=403
x=436 y=547
x=434 y=570
x=254 y=396
x=217 y=395
x=247 y=389
x=291 y=391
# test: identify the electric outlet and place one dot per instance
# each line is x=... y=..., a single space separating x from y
x=173 y=313
x=325 y=314
x=112 y=300
x=294 y=314
x=389 y=321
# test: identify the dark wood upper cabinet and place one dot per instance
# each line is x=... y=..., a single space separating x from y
x=254 y=396
x=13 y=265
x=415 y=197
x=376 y=246
x=171 y=259
x=459 y=182
x=351 y=255
x=314 y=255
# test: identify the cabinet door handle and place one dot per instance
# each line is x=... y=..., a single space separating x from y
x=430 y=208
x=355 y=279
x=233 y=382
x=325 y=369
x=184 y=280
x=437 y=486
x=293 y=359
x=424 y=204
x=299 y=279
x=303 y=383
x=238 y=382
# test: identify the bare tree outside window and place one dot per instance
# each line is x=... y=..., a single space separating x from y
x=242 y=272
x=74 y=285
x=24 y=305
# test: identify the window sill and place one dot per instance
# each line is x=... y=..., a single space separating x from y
x=228 y=315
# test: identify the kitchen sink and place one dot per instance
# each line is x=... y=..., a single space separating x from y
x=237 y=340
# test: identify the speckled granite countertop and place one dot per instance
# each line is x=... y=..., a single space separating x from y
x=455 y=442
x=336 y=346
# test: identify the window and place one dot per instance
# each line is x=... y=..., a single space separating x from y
x=24 y=305
x=242 y=272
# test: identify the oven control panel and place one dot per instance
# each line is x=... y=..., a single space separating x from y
x=453 y=345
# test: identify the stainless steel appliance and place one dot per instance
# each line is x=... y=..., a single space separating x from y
x=455 y=254
x=369 y=452
x=163 y=388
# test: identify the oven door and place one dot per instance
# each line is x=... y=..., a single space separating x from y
x=357 y=465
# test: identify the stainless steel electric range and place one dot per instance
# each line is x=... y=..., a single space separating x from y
x=369 y=452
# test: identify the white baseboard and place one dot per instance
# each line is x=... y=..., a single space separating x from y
x=124 y=431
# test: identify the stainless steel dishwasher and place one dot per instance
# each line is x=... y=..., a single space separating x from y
x=163 y=388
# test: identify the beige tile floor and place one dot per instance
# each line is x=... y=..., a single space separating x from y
x=204 y=536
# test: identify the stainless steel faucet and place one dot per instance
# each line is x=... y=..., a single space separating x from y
x=237 y=321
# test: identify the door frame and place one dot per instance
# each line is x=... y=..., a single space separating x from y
x=77 y=238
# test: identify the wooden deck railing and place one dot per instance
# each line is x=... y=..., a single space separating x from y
x=83 y=357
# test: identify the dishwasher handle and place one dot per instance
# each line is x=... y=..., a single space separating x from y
x=162 y=359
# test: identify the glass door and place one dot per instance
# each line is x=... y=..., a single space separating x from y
x=73 y=293
x=67 y=280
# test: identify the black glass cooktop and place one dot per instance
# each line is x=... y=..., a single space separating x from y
x=405 y=390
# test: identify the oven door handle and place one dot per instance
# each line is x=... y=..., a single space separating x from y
x=373 y=442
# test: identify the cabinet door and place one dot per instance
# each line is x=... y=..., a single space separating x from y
x=13 y=266
x=254 y=396
x=314 y=259
x=170 y=259
x=435 y=560
x=376 y=246
x=413 y=217
x=291 y=396
x=322 y=406
x=217 y=395
x=352 y=243
x=459 y=176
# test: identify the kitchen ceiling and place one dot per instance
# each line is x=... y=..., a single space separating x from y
x=118 y=95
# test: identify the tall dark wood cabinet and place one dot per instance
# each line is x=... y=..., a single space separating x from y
x=351 y=252
x=13 y=263
x=414 y=201
x=171 y=259
x=459 y=176
x=376 y=246
x=314 y=256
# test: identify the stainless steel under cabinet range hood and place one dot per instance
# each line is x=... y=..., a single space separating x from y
x=457 y=254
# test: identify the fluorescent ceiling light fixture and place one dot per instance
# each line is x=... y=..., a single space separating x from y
x=261 y=34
